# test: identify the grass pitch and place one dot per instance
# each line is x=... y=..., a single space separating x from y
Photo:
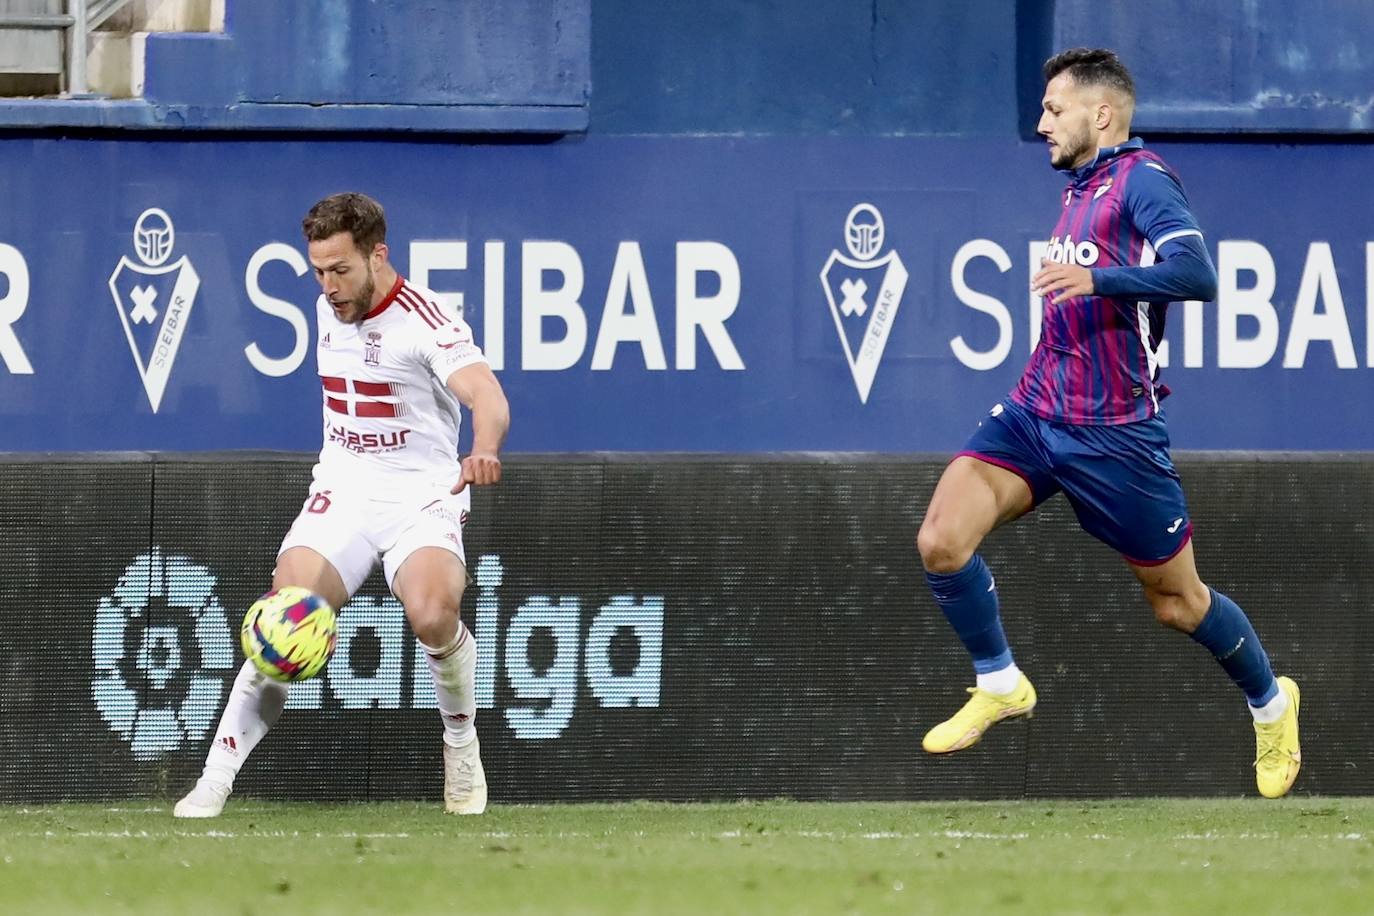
x=1249 y=856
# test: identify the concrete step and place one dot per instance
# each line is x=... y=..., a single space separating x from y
x=109 y=65
x=114 y=66
x=168 y=16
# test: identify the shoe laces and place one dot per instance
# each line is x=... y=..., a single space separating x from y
x=1268 y=737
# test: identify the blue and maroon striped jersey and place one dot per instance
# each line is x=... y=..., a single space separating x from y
x=1095 y=363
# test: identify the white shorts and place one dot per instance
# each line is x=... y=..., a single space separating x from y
x=353 y=529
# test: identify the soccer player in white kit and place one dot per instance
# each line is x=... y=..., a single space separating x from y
x=388 y=486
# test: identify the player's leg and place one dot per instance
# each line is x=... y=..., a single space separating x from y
x=971 y=499
x=430 y=586
x=255 y=701
x=427 y=574
x=307 y=568
x=1183 y=602
x=996 y=479
x=1126 y=492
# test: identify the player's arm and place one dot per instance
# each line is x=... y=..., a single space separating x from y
x=1155 y=203
x=1184 y=271
x=477 y=388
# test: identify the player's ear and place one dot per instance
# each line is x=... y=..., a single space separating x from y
x=1104 y=115
x=379 y=253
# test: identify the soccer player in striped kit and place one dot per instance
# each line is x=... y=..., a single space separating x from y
x=388 y=489
x=1085 y=419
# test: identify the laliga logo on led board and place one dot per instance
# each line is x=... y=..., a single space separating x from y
x=162 y=653
x=543 y=655
x=161 y=650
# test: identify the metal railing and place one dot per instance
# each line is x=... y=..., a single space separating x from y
x=82 y=18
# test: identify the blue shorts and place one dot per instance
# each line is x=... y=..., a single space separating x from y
x=1120 y=479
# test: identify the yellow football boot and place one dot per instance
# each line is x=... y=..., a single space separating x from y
x=1277 y=755
x=980 y=713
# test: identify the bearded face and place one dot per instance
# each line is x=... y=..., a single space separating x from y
x=1067 y=122
x=350 y=309
x=345 y=275
x=1075 y=146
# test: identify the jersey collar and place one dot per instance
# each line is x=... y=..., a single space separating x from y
x=390 y=298
x=1104 y=155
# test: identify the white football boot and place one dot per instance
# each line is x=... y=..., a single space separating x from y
x=205 y=800
x=465 y=784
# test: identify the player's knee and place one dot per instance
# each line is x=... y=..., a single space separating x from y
x=434 y=620
x=940 y=551
x=1177 y=611
x=434 y=627
x=1168 y=611
x=304 y=567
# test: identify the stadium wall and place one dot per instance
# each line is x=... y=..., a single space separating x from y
x=655 y=293
x=746 y=623
x=670 y=628
x=931 y=67
x=479 y=66
x=876 y=68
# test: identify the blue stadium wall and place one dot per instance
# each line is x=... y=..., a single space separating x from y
x=644 y=221
x=682 y=266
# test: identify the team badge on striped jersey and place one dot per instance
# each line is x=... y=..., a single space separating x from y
x=864 y=290
x=154 y=300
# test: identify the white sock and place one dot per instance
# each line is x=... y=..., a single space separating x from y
x=1000 y=682
x=254 y=705
x=1271 y=711
x=454 y=668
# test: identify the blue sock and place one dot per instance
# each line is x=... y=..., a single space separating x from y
x=969 y=601
x=1225 y=631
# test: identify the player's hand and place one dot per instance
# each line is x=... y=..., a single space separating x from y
x=1057 y=282
x=480 y=469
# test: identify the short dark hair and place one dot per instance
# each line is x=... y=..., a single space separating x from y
x=347 y=212
x=1092 y=67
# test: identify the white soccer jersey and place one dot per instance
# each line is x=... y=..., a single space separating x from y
x=390 y=422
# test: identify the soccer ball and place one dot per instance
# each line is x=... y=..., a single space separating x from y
x=289 y=634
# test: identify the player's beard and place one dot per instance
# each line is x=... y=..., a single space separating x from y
x=361 y=304
x=1067 y=154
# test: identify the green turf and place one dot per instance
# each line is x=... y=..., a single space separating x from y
x=1298 y=855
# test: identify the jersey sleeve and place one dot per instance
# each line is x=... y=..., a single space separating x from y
x=1157 y=206
x=448 y=348
x=1185 y=271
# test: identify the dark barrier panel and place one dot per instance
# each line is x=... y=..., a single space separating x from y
x=675 y=629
